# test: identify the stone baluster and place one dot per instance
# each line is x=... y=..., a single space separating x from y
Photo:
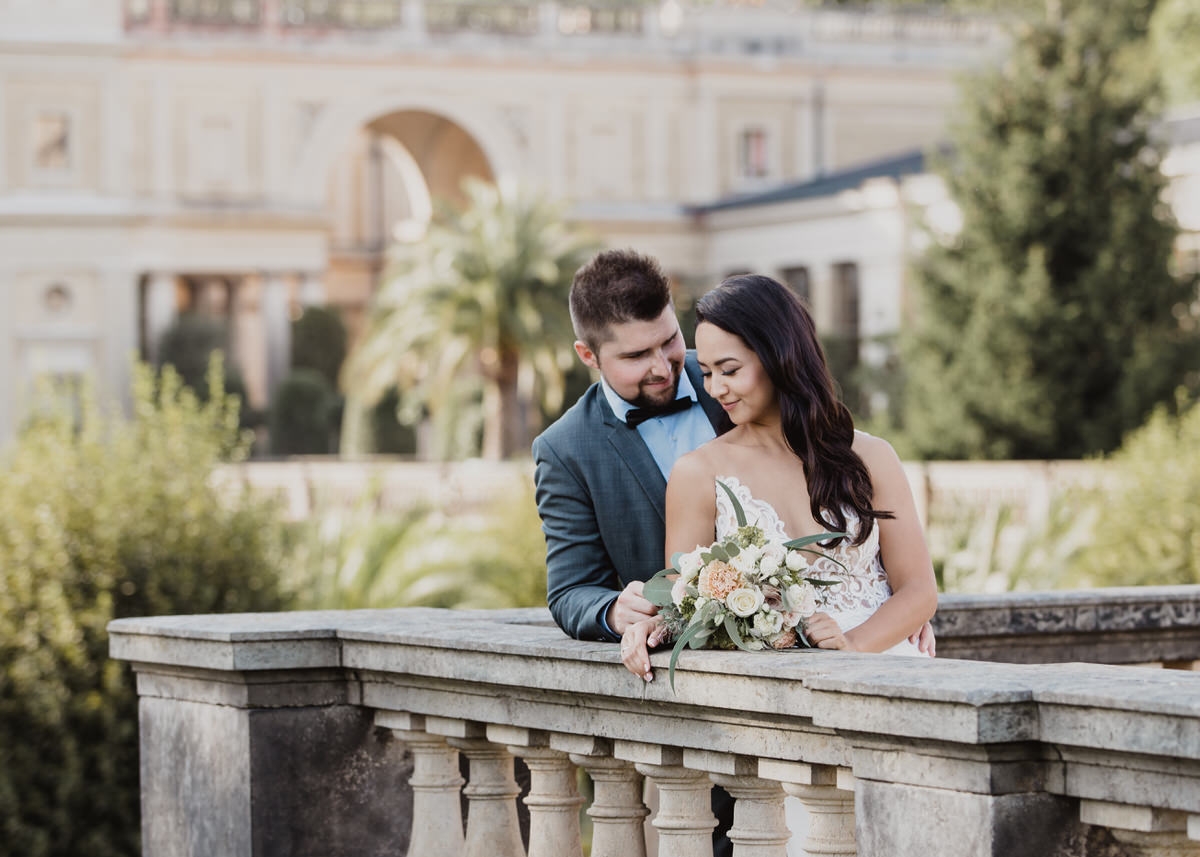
x=1144 y=831
x=759 y=828
x=827 y=795
x=684 y=820
x=553 y=798
x=618 y=813
x=493 y=829
x=437 y=812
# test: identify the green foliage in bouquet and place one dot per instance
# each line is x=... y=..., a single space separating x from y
x=101 y=518
x=741 y=592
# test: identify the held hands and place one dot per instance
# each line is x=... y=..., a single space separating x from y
x=636 y=643
x=629 y=608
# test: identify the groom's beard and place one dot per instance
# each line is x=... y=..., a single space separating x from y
x=649 y=397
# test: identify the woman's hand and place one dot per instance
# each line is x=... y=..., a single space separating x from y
x=636 y=643
x=825 y=633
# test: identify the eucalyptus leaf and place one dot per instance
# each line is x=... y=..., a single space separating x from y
x=738 y=512
x=805 y=541
x=732 y=631
x=689 y=632
x=657 y=590
x=719 y=552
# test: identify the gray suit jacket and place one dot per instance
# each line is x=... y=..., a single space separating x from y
x=602 y=502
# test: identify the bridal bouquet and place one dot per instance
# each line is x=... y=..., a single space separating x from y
x=742 y=592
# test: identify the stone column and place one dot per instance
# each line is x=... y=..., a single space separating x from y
x=162 y=308
x=493 y=829
x=830 y=819
x=617 y=811
x=759 y=829
x=277 y=329
x=553 y=802
x=685 y=821
x=437 y=813
x=553 y=799
x=312 y=289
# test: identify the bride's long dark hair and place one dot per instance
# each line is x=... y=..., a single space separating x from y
x=773 y=323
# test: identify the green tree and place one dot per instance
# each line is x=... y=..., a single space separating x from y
x=319 y=342
x=101 y=518
x=484 y=294
x=1050 y=324
x=1175 y=31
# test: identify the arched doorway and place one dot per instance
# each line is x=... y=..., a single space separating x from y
x=383 y=189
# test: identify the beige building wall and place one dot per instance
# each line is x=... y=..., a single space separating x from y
x=140 y=154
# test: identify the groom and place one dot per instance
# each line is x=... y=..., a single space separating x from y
x=602 y=468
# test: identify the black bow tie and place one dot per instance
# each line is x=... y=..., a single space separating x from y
x=636 y=416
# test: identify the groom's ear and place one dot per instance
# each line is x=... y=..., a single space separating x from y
x=586 y=354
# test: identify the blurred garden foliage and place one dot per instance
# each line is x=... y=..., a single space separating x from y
x=101 y=518
x=360 y=557
x=1051 y=323
x=474 y=316
x=1137 y=524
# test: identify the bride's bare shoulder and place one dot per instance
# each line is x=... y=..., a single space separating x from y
x=700 y=463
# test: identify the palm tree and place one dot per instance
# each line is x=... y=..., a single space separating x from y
x=484 y=294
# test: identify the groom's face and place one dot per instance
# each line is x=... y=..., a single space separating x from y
x=641 y=360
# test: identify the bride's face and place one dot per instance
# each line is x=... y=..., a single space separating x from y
x=734 y=376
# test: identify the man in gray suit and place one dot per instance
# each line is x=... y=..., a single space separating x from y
x=602 y=468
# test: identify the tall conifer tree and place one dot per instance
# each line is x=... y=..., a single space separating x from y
x=1051 y=323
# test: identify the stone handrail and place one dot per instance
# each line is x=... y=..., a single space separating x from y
x=274 y=734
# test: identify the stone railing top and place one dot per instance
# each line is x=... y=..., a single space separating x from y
x=520 y=654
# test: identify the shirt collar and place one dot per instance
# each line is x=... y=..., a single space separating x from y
x=620 y=407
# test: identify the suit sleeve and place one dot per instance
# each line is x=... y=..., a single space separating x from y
x=581 y=582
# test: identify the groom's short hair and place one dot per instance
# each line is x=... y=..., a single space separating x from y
x=615 y=287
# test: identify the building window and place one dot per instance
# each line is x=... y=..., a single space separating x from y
x=841 y=342
x=216 y=12
x=52 y=142
x=358 y=14
x=845 y=284
x=753 y=157
x=796 y=279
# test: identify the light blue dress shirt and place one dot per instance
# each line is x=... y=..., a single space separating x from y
x=670 y=436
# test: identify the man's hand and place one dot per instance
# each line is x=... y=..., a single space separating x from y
x=924 y=640
x=629 y=608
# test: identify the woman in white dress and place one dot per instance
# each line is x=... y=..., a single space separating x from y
x=799 y=467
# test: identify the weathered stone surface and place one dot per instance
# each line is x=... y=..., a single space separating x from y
x=259 y=738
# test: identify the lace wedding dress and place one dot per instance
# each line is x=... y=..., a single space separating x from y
x=863 y=582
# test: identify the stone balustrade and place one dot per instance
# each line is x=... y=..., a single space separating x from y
x=345 y=733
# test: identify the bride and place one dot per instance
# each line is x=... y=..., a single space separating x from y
x=795 y=462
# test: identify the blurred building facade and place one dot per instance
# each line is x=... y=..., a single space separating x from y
x=244 y=158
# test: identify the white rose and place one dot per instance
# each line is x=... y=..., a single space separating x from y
x=679 y=591
x=744 y=602
x=796 y=561
x=690 y=565
x=767 y=624
x=776 y=551
x=768 y=564
x=802 y=598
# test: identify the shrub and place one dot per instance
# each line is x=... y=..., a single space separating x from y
x=102 y=518
x=319 y=342
x=1146 y=528
x=302 y=414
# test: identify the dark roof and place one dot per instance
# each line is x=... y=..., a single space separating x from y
x=895 y=166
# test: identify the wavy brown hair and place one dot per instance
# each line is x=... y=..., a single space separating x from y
x=773 y=323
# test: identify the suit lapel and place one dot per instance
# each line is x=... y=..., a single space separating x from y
x=634 y=452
